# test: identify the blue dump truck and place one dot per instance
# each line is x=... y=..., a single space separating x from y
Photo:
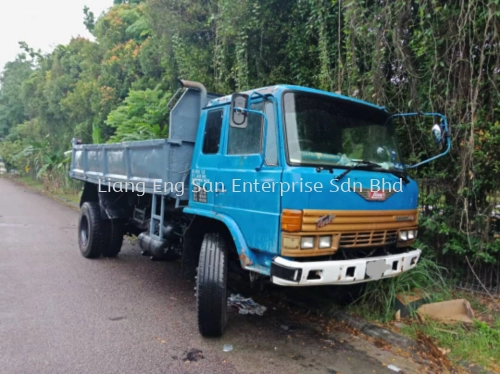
x=298 y=186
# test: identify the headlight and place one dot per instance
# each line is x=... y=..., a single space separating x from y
x=325 y=241
x=403 y=236
x=307 y=242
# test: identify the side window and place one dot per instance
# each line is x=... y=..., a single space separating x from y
x=248 y=140
x=213 y=127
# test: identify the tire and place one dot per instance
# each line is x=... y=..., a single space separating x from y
x=211 y=286
x=115 y=231
x=347 y=294
x=91 y=230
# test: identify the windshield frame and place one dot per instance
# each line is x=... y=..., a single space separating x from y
x=336 y=166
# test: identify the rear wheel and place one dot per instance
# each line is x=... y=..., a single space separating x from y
x=211 y=285
x=91 y=230
x=114 y=237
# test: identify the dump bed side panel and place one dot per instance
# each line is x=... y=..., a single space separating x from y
x=145 y=164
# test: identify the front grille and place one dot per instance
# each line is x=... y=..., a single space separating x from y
x=367 y=238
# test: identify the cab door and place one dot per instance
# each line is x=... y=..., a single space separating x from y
x=252 y=197
x=207 y=155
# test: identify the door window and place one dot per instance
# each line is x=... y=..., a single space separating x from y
x=248 y=140
x=213 y=127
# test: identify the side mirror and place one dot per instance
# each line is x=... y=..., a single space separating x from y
x=239 y=114
x=437 y=133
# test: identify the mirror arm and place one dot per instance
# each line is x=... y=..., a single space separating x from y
x=446 y=134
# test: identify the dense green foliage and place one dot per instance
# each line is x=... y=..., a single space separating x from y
x=140 y=116
x=428 y=55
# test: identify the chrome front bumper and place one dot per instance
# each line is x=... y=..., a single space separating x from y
x=293 y=273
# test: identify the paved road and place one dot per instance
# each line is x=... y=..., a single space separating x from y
x=61 y=313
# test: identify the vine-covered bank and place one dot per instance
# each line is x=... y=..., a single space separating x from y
x=428 y=55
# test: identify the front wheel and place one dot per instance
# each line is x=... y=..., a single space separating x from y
x=211 y=285
x=91 y=230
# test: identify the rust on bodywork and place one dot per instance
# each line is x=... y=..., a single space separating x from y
x=245 y=261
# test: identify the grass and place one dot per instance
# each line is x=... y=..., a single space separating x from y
x=66 y=196
x=476 y=344
x=378 y=301
x=28 y=181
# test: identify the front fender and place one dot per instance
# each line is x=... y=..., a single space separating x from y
x=248 y=258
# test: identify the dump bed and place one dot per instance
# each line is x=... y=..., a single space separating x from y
x=158 y=162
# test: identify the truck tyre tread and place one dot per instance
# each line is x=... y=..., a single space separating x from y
x=115 y=238
x=211 y=285
x=91 y=230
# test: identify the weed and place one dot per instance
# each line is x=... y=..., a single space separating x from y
x=379 y=298
x=478 y=343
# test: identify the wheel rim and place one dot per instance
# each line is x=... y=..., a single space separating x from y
x=84 y=230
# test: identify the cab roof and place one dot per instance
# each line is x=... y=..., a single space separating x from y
x=277 y=90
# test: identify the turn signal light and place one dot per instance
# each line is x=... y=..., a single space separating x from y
x=291 y=220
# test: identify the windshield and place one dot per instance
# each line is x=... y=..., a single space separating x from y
x=322 y=130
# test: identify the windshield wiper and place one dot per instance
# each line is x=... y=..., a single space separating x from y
x=319 y=169
x=358 y=164
x=400 y=174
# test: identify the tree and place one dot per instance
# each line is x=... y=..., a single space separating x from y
x=427 y=55
x=141 y=116
x=12 y=109
x=89 y=19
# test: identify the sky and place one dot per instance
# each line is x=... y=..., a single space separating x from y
x=42 y=24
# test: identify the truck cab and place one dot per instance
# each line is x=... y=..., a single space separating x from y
x=311 y=186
